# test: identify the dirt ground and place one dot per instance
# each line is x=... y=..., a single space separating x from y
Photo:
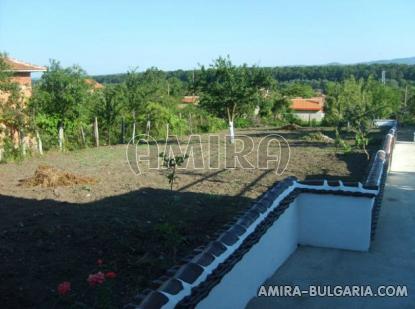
x=133 y=222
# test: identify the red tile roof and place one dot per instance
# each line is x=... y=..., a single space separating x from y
x=20 y=66
x=191 y=99
x=308 y=104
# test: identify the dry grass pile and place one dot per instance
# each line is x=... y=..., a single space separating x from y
x=48 y=176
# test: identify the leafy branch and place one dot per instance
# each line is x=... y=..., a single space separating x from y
x=171 y=162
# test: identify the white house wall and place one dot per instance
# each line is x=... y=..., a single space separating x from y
x=309 y=116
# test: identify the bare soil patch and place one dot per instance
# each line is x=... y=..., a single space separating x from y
x=134 y=223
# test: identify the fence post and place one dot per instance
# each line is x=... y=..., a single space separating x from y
x=122 y=131
x=39 y=143
x=96 y=132
x=83 y=136
x=148 y=125
x=133 y=137
x=61 y=137
x=22 y=142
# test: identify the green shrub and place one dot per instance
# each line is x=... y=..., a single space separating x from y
x=243 y=123
x=10 y=152
x=212 y=124
x=48 y=130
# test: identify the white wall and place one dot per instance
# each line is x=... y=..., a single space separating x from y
x=323 y=220
x=308 y=116
x=335 y=221
x=242 y=282
x=384 y=122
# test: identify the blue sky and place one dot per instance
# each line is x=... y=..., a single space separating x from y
x=115 y=36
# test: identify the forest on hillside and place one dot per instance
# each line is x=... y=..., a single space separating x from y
x=314 y=75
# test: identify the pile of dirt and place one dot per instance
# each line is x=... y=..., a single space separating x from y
x=48 y=176
x=318 y=137
x=290 y=127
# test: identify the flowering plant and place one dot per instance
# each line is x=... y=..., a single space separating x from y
x=99 y=284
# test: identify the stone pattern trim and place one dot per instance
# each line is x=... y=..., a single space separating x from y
x=378 y=173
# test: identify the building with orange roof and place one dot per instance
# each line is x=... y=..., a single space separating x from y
x=190 y=99
x=308 y=109
x=21 y=73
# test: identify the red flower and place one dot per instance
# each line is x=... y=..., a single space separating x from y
x=64 y=288
x=100 y=262
x=110 y=275
x=95 y=279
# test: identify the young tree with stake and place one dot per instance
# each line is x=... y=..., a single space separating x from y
x=231 y=91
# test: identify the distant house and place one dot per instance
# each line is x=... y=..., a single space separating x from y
x=190 y=99
x=308 y=109
x=22 y=74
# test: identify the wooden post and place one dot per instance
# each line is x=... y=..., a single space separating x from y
x=61 y=137
x=83 y=136
x=167 y=131
x=122 y=131
x=39 y=143
x=180 y=117
x=133 y=137
x=22 y=143
x=96 y=132
x=190 y=123
x=148 y=125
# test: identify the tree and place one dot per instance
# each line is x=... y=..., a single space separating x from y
x=274 y=104
x=296 y=89
x=280 y=106
x=110 y=103
x=352 y=103
x=142 y=88
x=230 y=91
x=175 y=87
x=387 y=98
x=62 y=92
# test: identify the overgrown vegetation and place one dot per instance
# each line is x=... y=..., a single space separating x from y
x=235 y=96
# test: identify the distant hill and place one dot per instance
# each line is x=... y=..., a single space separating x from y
x=410 y=60
x=398 y=69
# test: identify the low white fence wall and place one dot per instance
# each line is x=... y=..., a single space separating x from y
x=323 y=220
x=228 y=272
x=335 y=221
x=242 y=282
